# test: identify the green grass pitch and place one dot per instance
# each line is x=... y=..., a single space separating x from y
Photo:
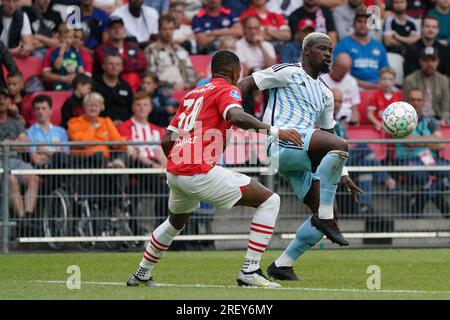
x=325 y=274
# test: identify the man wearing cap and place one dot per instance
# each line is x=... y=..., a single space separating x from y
x=253 y=52
x=368 y=55
x=322 y=17
x=12 y=131
x=432 y=83
x=291 y=51
x=134 y=59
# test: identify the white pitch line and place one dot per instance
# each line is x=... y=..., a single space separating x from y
x=235 y=287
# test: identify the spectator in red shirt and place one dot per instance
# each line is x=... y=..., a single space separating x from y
x=383 y=97
x=138 y=128
x=134 y=59
x=148 y=155
x=273 y=24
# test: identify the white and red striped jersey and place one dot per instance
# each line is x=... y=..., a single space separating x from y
x=132 y=130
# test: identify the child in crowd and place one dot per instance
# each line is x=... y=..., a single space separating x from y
x=15 y=85
x=63 y=63
x=163 y=107
x=73 y=107
x=383 y=97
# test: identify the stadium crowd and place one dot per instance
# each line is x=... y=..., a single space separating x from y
x=124 y=65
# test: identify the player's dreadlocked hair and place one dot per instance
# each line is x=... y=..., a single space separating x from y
x=224 y=61
x=312 y=38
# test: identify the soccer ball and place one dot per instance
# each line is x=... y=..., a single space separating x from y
x=399 y=119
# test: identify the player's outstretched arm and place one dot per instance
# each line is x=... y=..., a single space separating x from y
x=239 y=118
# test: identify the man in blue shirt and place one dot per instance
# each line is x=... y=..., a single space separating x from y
x=213 y=22
x=368 y=55
x=94 y=22
x=44 y=131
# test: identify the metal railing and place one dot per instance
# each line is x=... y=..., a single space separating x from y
x=88 y=202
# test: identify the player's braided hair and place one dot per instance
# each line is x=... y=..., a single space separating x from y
x=224 y=62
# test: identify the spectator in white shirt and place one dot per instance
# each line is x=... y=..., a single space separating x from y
x=252 y=50
x=340 y=78
x=141 y=21
x=183 y=34
x=12 y=18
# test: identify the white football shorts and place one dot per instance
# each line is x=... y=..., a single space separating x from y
x=219 y=187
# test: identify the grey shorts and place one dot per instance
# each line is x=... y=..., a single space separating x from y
x=18 y=164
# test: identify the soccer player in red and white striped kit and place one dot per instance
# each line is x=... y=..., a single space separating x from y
x=193 y=142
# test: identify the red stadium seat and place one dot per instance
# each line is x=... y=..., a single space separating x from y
x=58 y=99
x=29 y=66
x=446 y=152
x=369 y=132
x=201 y=63
x=362 y=107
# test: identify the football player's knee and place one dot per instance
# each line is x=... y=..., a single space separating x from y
x=341 y=145
x=272 y=204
